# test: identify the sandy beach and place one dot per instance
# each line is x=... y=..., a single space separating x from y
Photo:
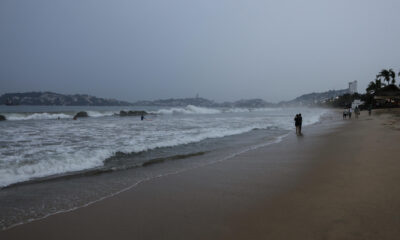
x=334 y=182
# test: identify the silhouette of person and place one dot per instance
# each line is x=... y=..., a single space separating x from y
x=300 y=123
x=297 y=123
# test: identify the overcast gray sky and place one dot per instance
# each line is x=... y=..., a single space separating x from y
x=223 y=50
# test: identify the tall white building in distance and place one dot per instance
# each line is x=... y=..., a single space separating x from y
x=353 y=87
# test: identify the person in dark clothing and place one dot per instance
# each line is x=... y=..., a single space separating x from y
x=142 y=117
x=297 y=123
x=300 y=123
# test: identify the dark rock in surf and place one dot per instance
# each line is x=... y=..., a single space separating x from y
x=80 y=115
x=132 y=113
x=2 y=118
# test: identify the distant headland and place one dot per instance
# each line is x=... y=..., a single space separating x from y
x=56 y=99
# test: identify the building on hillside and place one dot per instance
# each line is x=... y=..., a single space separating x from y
x=353 y=87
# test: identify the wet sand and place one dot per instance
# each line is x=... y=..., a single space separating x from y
x=338 y=182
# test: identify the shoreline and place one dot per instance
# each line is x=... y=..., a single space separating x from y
x=275 y=140
x=51 y=159
x=70 y=191
x=244 y=197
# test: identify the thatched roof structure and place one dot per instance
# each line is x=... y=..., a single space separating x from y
x=388 y=91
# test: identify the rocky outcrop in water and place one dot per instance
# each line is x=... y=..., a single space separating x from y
x=80 y=115
x=132 y=113
x=2 y=118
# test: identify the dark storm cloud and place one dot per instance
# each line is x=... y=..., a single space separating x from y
x=223 y=50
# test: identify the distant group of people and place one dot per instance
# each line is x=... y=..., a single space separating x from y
x=348 y=112
x=298 y=121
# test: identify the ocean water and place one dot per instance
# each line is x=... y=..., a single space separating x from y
x=51 y=163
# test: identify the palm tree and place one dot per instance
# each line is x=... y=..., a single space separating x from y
x=374 y=86
x=399 y=75
x=392 y=75
x=385 y=74
x=371 y=87
x=378 y=84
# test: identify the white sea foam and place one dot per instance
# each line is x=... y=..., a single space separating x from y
x=52 y=160
x=245 y=110
x=19 y=170
x=190 y=109
x=43 y=149
x=101 y=114
x=35 y=116
x=50 y=115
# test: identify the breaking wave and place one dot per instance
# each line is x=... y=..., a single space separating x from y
x=55 y=160
x=101 y=114
x=190 y=109
x=52 y=115
x=43 y=149
x=36 y=116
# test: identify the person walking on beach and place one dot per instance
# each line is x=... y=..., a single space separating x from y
x=350 y=110
x=344 y=114
x=357 y=112
x=369 y=110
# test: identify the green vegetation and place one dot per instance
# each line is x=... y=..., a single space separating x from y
x=384 y=85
